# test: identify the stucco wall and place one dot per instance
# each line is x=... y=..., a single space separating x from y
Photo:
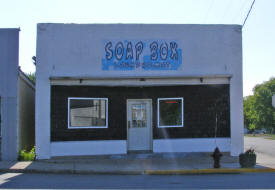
x=72 y=50
x=78 y=50
x=26 y=93
x=9 y=39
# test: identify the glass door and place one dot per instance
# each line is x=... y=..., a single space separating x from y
x=139 y=125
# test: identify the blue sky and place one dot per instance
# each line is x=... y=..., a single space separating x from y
x=258 y=32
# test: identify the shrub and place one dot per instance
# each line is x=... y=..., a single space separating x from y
x=27 y=156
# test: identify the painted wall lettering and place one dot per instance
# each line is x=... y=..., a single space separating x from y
x=146 y=55
x=109 y=53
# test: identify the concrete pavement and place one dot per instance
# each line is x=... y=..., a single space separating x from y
x=260 y=145
x=179 y=163
x=264 y=148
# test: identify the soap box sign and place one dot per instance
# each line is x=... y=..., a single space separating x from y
x=144 y=55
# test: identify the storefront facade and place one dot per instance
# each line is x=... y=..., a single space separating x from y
x=118 y=88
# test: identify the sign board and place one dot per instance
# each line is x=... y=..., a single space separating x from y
x=139 y=50
x=144 y=55
x=273 y=100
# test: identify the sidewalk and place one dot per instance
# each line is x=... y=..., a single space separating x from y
x=168 y=164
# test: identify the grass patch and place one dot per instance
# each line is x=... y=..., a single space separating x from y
x=266 y=136
x=269 y=136
x=254 y=135
x=27 y=156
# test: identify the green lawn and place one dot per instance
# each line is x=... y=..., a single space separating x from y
x=266 y=136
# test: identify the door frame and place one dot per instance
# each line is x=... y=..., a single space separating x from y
x=151 y=123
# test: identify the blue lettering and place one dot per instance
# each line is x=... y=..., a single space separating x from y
x=174 y=53
x=130 y=55
x=154 y=50
x=139 y=49
x=163 y=51
x=109 y=52
x=129 y=51
x=119 y=50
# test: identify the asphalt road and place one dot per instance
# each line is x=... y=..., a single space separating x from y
x=260 y=145
x=56 y=181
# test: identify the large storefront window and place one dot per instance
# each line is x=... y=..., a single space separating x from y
x=170 y=112
x=87 y=113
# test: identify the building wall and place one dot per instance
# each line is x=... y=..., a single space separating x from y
x=72 y=50
x=201 y=103
x=9 y=39
x=26 y=93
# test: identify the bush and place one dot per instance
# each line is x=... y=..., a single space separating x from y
x=27 y=156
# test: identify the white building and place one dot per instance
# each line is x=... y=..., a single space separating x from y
x=117 y=88
x=16 y=99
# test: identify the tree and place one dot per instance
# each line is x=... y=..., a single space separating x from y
x=258 y=110
x=31 y=76
x=250 y=115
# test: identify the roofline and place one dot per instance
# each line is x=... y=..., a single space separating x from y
x=178 y=24
x=18 y=29
x=23 y=76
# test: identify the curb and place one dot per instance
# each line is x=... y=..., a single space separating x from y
x=209 y=171
x=147 y=172
x=37 y=171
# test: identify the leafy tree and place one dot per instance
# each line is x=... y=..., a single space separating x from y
x=250 y=115
x=31 y=76
x=258 y=110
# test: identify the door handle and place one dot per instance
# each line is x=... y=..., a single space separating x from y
x=129 y=123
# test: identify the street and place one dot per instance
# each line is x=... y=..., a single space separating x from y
x=56 y=181
x=260 y=145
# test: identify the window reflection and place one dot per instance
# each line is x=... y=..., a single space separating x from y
x=87 y=112
x=170 y=112
x=139 y=115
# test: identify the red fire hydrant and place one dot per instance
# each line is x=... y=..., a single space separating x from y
x=217 y=157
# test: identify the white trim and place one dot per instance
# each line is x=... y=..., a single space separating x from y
x=80 y=148
x=191 y=145
x=190 y=76
x=182 y=115
x=140 y=81
x=87 y=127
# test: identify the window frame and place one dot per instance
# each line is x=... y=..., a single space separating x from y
x=87 y=127
x=182 y=115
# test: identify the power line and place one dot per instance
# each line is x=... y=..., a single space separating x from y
x=248 y=13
